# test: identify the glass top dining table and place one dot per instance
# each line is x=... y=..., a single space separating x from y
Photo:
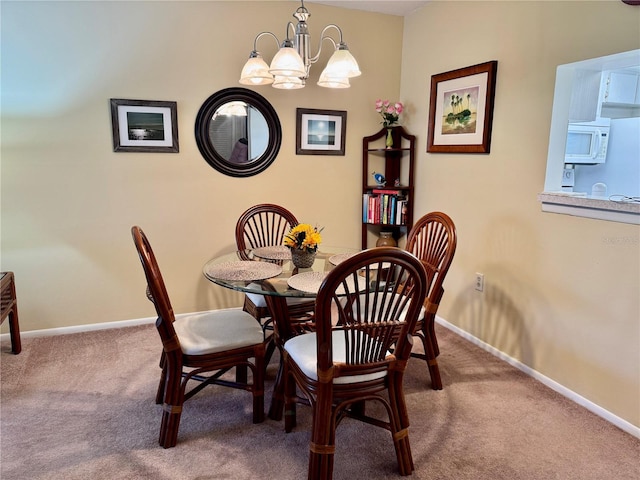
x=269 y=271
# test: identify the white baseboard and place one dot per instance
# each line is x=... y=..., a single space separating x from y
x=570 y=394
x=580 y=400
x=87 y=328
x=47 y=332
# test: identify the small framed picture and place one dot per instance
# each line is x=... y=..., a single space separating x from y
x=144 y=126
x=320 y=132
x=461 y=109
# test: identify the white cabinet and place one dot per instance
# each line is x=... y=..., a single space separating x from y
x=608 y=94
x=620 y=95
x=586 y=94
x=620 y=88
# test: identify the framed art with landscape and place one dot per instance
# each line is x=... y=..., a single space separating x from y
x=320 y=132
x=461 y=109
x=144 y=126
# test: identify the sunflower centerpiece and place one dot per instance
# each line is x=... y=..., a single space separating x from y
x=303 y=241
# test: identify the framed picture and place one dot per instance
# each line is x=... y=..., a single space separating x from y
x=461 y=109
x=320 y=132
x=144 y=126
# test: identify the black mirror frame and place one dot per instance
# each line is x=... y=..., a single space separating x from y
x=207 y=149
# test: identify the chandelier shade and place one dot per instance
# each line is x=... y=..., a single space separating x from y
x=290 y=66
x=287 y=83
x=256 y=72
x=287 y=63
x=342 y=64
x=333 y=82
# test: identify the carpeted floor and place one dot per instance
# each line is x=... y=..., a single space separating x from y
x=81 y=406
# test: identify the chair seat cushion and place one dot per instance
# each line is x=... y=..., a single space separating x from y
x=302 y=350
x=259 y=301
x=216 y=331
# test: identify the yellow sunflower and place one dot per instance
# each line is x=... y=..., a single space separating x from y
x=303 y=237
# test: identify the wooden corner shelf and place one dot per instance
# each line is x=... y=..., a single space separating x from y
x=388 y=207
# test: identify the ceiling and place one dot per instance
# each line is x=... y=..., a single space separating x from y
x=391 y=7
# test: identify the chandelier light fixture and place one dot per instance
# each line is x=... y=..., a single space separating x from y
x=290 y=67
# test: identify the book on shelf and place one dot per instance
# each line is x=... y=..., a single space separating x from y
x=386 y=191
x=384 y=209
x=401 y=213
x=365 y=208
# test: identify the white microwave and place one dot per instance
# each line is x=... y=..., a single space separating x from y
x=587 y=143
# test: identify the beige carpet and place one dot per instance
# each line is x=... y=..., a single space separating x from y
x=82 y=406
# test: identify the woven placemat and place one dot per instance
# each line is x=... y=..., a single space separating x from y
x=244 y=270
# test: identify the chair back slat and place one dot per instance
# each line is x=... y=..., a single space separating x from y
x=374 y=300
x=433 y=240
x=263 y=225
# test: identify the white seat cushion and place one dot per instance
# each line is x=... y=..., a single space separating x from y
x=302 y=350
x=216 y=331
x=259 y=301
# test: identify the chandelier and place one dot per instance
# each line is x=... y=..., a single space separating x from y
x=290 y=66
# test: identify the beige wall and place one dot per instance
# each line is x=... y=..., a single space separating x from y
x=561 y=292
x=69 y=201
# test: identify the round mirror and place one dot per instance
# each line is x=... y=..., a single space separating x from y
x=238 y=132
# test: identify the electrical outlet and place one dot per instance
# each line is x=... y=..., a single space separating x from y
x=480 y=282
x=568 y=178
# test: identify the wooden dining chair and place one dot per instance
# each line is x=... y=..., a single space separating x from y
x=433 y=240
x=199 y=347
x=265 y=225
x=366 y=309
x=9 y=309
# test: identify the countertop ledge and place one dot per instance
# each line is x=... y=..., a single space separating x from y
x=590 y=207
x=589 y=202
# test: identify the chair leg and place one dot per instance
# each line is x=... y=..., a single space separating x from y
x=14 y=331
x=434 y=371
x=163 y=378
x=171 y=407
x=400 y=426
x=323 y=444
x=403 y=452
x=432 y=335
x=432 y=362
x=170 y=425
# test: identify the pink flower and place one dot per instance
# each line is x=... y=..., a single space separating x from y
x=390 y=112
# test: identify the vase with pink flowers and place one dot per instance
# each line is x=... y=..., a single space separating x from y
x=390 y=113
